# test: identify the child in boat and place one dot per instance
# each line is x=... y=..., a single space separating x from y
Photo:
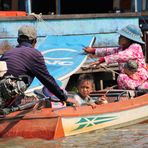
x=85 y=86
x=130 y=48
x=130 y=78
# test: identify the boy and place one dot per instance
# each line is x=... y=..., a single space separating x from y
x=85 y=86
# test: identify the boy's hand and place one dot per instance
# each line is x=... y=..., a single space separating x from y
x=92 y=104
x=103 y=100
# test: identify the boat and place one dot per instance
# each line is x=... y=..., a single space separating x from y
x=66 y=25
x=54 y=123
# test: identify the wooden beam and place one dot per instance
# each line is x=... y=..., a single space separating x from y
x=58 y=7
x=14 y=5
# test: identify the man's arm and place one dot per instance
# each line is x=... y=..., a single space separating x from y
x=40 y=71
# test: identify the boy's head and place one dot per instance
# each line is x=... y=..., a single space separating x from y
x=85 y=85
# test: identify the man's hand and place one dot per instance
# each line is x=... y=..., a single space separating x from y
x=71 y=100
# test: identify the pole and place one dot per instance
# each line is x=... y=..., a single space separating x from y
x=28 y=6
x=58 y=7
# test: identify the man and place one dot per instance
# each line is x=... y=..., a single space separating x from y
x=26 y=60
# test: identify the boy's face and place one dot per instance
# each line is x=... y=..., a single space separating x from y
x=85 y=88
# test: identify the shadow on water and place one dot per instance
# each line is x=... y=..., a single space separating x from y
x=135 y=136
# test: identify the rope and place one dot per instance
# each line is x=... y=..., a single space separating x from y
x=44 y=24
x=109 y=69
x=37 y=16
x=91 y=67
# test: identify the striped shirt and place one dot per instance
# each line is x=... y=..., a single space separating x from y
x=25 y=60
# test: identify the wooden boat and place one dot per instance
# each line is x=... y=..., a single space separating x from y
x=48 y=123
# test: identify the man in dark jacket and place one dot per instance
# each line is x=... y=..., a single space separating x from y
x=26 y=60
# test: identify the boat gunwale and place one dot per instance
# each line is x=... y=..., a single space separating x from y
x=108 y=108
x=80 y=111
x=72 y=16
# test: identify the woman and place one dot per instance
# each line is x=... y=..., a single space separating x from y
x=130 y=48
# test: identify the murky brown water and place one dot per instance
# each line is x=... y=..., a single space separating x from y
x=135 y=136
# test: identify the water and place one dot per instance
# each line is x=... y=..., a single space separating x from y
x=135 y=136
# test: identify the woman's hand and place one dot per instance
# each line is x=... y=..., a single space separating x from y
x=94 y=64
x=89 y=50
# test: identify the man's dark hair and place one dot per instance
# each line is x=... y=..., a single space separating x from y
x=24 y=38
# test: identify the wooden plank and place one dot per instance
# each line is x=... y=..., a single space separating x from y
x=14 y=4
x=70 y=26
x=104 y=28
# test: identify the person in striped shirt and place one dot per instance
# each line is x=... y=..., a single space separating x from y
x=24 y=59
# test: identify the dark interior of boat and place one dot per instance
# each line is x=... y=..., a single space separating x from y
x=116 y=95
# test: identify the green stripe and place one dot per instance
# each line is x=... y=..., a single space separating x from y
x=84 y=122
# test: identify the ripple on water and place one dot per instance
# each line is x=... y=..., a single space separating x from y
x=135 y=136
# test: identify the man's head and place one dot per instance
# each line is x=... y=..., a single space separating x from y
x=28 y=31
x=28 y=34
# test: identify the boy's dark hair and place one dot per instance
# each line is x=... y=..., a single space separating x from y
x=83 y=77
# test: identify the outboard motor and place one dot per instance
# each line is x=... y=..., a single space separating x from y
x=10 y=87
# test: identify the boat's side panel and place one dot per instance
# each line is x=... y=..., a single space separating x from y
x=104 y=108
x=75 y=125
x=50 y=123
x=68 y=27
x=103 y=28
x=46 y=128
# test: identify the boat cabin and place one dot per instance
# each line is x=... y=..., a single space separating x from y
x=74 y=7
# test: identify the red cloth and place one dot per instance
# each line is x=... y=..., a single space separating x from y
x=102 y=59
x=93 y=50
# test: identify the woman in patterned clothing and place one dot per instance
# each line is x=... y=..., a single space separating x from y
x=130 y=41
